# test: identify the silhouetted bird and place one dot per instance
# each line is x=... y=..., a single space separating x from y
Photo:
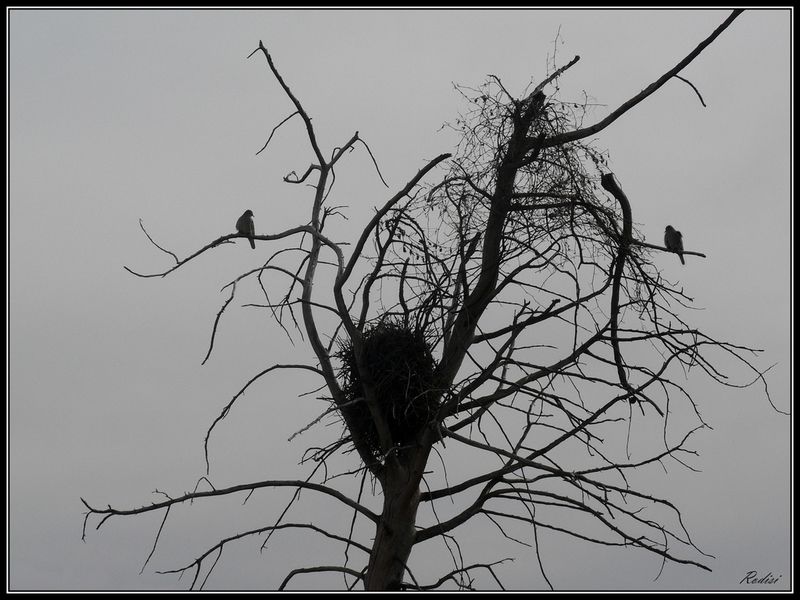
x=246 y=226
x=673 y=240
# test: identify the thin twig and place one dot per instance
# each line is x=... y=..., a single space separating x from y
x=692 y=86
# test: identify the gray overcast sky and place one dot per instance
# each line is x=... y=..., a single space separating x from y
x=120 y=115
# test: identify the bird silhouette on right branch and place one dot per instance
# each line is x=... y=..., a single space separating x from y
x=673 y=240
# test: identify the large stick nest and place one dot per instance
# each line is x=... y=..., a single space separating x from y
x=401 y=366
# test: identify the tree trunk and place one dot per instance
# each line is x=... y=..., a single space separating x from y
x=395 y=532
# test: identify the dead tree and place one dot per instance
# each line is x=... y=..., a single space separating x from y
x=500 y=302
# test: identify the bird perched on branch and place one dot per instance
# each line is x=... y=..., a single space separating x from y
x=246 y=226
x=673 y=240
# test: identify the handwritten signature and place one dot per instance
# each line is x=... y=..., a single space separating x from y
x=753 y=577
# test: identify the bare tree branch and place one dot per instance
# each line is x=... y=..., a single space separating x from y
x=274 y=129
x=690 y=84
x=320 y=569
x=572 y=136
x=109 y=512
x=228 y=406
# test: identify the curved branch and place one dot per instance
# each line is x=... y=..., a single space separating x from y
x=198 y=562
x=340 y=152
x=225 y=239
x=172 y=254
x=367 y=231
x=311 y=168
x=609 y=183
x=320 y=569
x=246 y=487
x=228 y=406
x=274 y=130
x=578 y=134
x=696 y=91
x=557 y=73
x=265 y=237
x=374 y=162
x=306 y=119
x=452 y=575
x=216 y=322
